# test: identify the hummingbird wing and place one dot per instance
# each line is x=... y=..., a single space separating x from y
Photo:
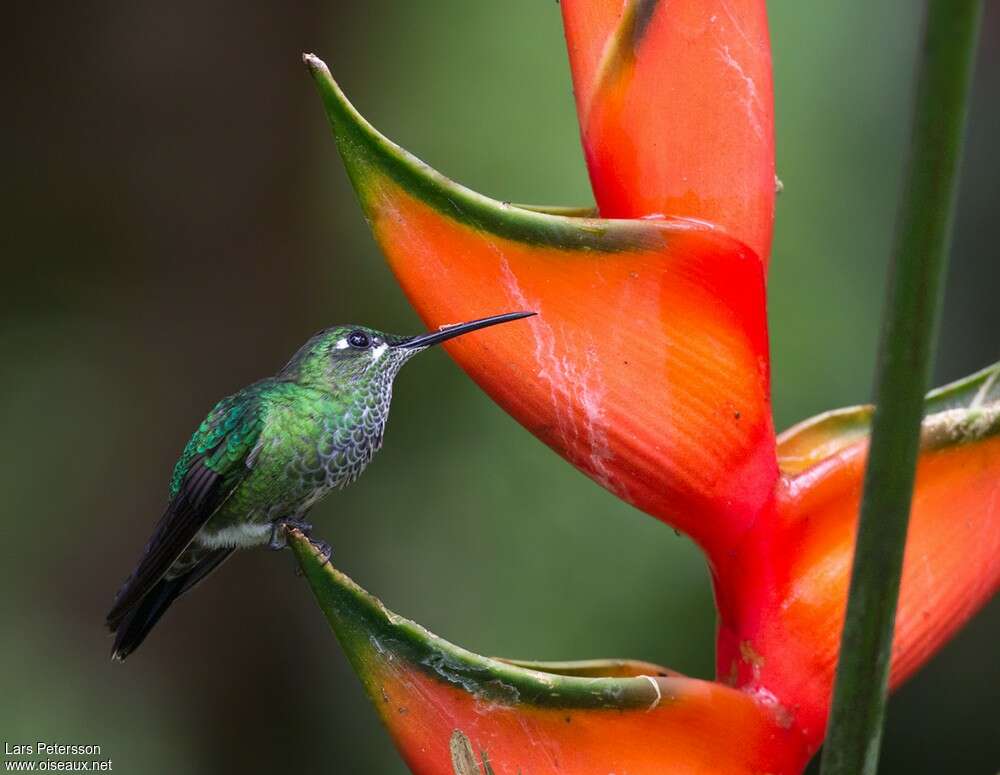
x=215 y=461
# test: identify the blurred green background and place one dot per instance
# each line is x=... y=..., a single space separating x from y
x=177 y=222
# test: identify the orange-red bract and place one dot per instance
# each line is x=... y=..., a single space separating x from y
x=646 y=366
x=786 y=588
x=676 y=110
x=589 y=719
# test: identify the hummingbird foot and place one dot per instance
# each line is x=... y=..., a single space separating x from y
x=323 y=548
x=279 y=537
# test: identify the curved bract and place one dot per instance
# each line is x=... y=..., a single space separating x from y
x=783 y=635
x=676 y=109
x=646 y=366
x=818 y=438
x=581 y=718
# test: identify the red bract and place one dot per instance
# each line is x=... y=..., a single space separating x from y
x=585 y=718
x=787 y=585
x=676 y=110
x=662 y=422
x=676 y=117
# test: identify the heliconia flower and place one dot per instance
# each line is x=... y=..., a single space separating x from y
x=676 y=110
x=587 y=718
x=625 y=308
x=647 y=367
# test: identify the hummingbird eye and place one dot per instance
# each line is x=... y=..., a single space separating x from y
x=359 y=340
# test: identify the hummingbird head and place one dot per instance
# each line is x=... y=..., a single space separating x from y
x=344 y=356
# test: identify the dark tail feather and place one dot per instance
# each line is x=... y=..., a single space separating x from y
x=131 y=629
x=136 y=625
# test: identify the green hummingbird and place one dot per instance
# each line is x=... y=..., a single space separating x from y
x=264 y=456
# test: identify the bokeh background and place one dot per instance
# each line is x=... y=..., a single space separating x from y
x=176 y=221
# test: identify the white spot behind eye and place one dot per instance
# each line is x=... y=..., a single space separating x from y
x=379 y=351
x=342 y=344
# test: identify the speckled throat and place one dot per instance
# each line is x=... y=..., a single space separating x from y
x=351 y=438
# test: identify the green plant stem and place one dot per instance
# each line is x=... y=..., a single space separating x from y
x=908 y=329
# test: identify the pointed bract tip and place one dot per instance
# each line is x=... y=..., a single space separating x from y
x=314 y=63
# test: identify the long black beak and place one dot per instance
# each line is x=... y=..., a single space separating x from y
x=450 y=332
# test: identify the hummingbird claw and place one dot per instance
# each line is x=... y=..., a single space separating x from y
x=279 y=537
x=324 y=549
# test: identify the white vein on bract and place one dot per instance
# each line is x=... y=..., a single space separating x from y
x=568 y=384
x=751 y=100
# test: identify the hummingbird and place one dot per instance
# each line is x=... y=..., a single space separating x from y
x=264 y=456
